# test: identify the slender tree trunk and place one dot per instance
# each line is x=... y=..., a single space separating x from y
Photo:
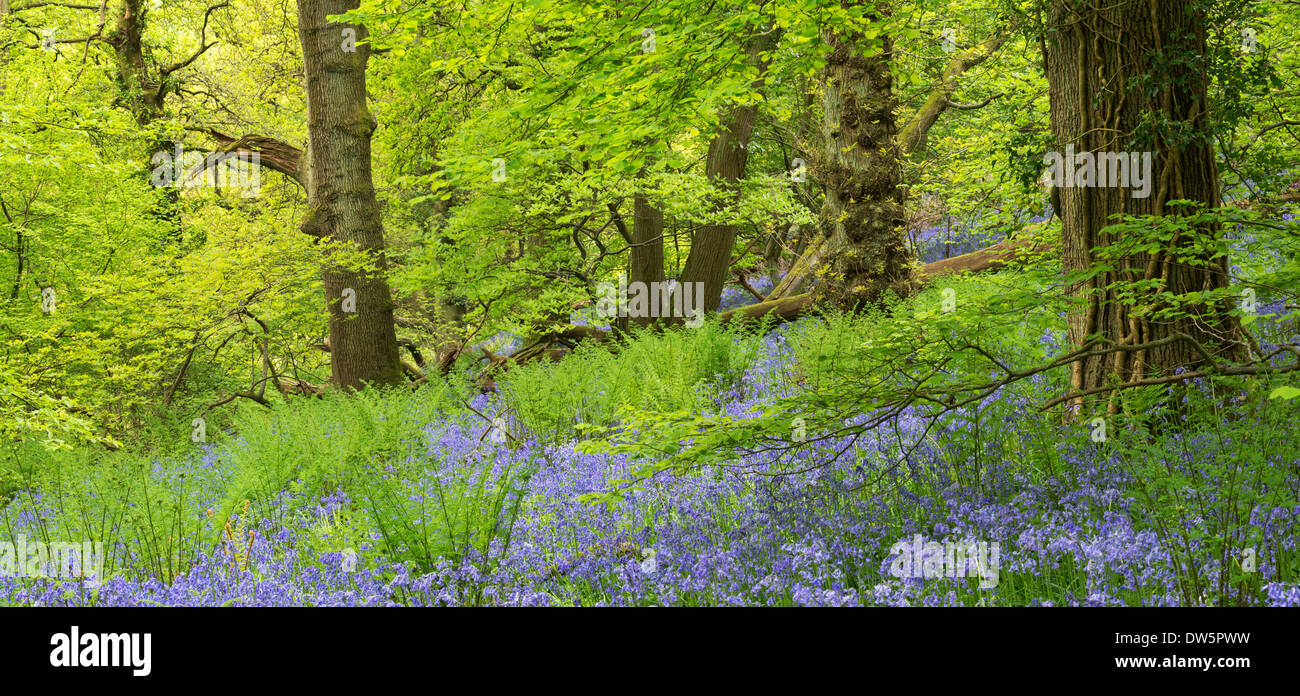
x=861 y=170
x=1114 y=70
x=646 y=252
x=709 y=261
x=711 y=248
x=341 y=196
x=645 y=242
x=18 y=275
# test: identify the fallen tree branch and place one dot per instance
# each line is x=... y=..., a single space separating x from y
x=988 y=259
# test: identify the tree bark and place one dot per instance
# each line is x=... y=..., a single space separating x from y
x=146 y=100
x=341 y=197
x=646 y=253
x=861 y=171
x=709 y=261
x=911 y=136
x=1114 y=70
x=273 y=154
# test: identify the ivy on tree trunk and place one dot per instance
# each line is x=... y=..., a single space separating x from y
x=1130 y=77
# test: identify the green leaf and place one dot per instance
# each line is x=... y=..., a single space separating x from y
x=1287 y=393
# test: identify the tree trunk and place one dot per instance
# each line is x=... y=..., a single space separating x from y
x=646 y=252
x=146 y=99
x=709 y=261
x=341 y=196
x=861 y=171
x=1113 y=70
x=911 y=136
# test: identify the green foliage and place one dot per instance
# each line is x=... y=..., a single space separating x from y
x=1198 y=484
x=955 y=344
x=429 y=514
x=1264 y=252
x=657 y=372
x=167 y=302
x=316 y=447
x=146 y=512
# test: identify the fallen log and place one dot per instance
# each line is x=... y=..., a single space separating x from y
x=785 y=309
x=789 y=308
x=990 y=258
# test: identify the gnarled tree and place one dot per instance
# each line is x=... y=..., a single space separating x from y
x=861 y=172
